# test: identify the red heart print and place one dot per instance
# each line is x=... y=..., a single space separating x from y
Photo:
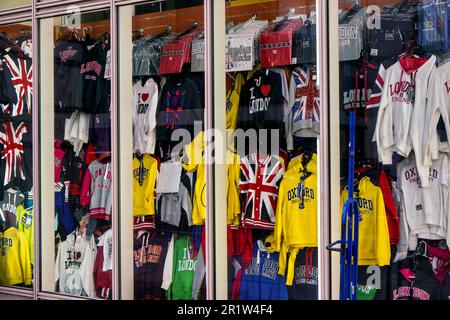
x=144 y=97
x=265 y=89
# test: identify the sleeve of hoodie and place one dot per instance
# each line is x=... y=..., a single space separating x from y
x=87 y=268
x=150 y=122
x=391 y=210
x=85 y=196
x=435 y=107
x=25 y=261
x=279 y=218
x=418 y=131
x=384 y=128
x=402 y=246
x=382 y=236
x=288 y=116
x=151 y=187
x=168 y=266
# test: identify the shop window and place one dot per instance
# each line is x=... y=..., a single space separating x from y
x=393 y=68
x=76 y=217
x=273 y=129
x=16 y=173
x=163 y=192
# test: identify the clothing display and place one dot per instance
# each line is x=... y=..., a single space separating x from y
x=394 y=72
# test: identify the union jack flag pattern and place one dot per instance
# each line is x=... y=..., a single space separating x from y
x=259 y=182
x=307 y=96
x=21 y=71
x=12 y=153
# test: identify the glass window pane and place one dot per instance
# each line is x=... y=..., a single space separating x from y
x=16 y=203
x=162 y=112
x=392 y=61
x=273 y=124
x=77 y=233
x=10 y=4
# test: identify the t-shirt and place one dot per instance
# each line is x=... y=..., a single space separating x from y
x=178 y=107
x=69 y=55
x=261 y=102
x=145 y=170
x=184 y=263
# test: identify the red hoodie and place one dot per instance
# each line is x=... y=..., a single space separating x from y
x=391 y=210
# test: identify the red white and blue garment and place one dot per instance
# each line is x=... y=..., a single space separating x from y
x=21 y=71
x=259 y=181
x=12 y=151
x=303 y=116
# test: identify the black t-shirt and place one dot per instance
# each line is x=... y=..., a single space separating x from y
x=178 y=107
x=91 y=71
x=69 y=84
x=103 y=94
x=261 y=102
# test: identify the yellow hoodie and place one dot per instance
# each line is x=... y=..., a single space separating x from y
x=194 y=160
x=15 y=264
x=144 y=183
x=296 y=227
x=374 y=244
x=233 y=192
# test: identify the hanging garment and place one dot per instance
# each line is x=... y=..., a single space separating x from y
x=21 y=72
x=74 y=266
x=400 y=124
x=15 y=263
x=145 y=171
x=103 y=266
x=261 y=281
x=184 y=264
x=150 y=250
x=374 y=243
x=259 y=182
x=425 y=209
x=96 y=190
x=303 y=116
x=145 y=102
x=194 y=161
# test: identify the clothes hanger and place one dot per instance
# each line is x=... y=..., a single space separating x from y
x=188 y=30
x=104 y=156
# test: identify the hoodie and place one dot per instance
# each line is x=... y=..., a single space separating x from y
x=296 y=214
x=374 y=244
x=261 y=281
x=400 y=124
x=96 y=190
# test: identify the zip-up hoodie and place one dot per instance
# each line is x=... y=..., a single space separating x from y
x=96 y=190
x=400 y=122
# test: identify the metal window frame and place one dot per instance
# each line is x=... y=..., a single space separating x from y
x=214 y=17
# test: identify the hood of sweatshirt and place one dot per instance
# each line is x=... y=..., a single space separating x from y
x=297 y=166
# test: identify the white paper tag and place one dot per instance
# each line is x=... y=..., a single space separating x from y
x=374 y=52
x=169 y=178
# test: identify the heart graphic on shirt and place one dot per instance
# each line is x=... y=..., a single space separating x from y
x=144 y=97
x=265 y=89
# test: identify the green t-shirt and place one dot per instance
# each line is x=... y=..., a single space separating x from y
x=183 y=269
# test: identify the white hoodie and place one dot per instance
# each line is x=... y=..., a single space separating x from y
x=400 y=121
x=145 y=102
x=438 y=105
x=424 y=209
